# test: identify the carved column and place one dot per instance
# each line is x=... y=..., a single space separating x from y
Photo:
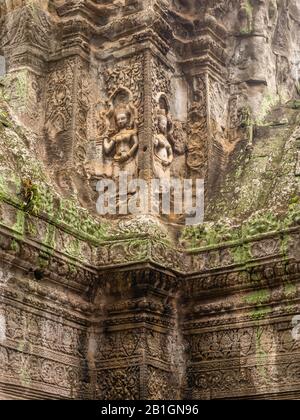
x=145 y=165
x=66 y=115
x=138 y=353
x=203 y=63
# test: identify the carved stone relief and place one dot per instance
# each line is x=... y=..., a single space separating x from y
x=162 y=141
x=121 y=141
x=197 y=146
x=136 y=307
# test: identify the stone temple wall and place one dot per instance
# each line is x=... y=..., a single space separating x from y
x=145 y=307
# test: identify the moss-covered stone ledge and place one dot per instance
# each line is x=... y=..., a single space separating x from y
x=200 y=249
x=41 y=248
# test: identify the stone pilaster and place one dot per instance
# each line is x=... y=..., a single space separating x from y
x=138 y=352
x=203 y=63
x=67 y=93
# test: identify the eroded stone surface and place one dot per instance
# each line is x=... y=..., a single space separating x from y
x=143 y=307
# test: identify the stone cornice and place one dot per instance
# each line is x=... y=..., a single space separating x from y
x=105 y=24
x=66 y=258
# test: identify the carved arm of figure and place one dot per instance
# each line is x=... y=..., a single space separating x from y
x=108 y=145
x=135 y=146
x=170 y=153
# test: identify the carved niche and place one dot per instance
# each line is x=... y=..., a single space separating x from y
x=165 y=102
x=128 y=74
x=163 y=140
x=120 y=142
x=117 y=143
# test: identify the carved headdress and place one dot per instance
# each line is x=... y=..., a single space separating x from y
x=121 y=103
x=163 y=110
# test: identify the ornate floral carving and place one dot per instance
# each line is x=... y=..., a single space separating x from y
x=160 y=384
x=119 y=384
x=197 y=146
x=105 y=309
x=41 y=371
x=59 y=108
x=27 y=25
x=83 y=106
x=161 y=78
x=128 y=74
